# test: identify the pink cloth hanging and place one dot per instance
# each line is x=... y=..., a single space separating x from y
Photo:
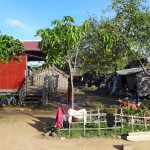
x=59 y=115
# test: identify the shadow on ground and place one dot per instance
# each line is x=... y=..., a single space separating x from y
x=41 y=124
x=118 y=147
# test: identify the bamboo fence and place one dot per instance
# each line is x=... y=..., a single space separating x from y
x=101 y=118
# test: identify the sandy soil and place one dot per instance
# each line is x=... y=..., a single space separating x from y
x=24 y=129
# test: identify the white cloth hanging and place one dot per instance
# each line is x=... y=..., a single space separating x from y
x=80 y=114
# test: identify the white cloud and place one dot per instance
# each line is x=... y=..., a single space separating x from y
x=16 y=24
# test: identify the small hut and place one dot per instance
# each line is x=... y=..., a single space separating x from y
x=136 y=79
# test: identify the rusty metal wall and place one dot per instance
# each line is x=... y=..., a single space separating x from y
x=12 y=74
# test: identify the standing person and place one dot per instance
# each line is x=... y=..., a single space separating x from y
x=85 y=78
x=117 y=84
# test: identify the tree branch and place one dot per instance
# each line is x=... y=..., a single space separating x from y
x=144 y=69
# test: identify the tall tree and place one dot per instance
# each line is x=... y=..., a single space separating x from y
x=10 y=48
x=101 y=47
x=113 y=40
x=61 y=44
x=125 y=35
x=132 y=27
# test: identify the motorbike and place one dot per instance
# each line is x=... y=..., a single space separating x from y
x=9 y=100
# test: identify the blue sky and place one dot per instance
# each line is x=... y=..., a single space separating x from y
x=22 y=18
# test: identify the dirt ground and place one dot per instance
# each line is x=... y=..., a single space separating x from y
x=24 y=128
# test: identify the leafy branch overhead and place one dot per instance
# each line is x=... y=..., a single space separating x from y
x=132 y=24
x=116 y=41
x=60 y=43
x=10 y=48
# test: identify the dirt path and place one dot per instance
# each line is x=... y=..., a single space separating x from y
x=24 y=130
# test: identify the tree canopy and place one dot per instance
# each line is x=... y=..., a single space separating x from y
x=108 y=43
x=101 y=47
x=10 y=48
x=115 y=41
x=132 y=25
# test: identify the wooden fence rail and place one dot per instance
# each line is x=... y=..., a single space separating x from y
x=101 y=118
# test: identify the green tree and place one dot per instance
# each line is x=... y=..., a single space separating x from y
x=132 y=27
x=113 y=42
x=101 y=48
x=61 y=44
x=10 y=48
x=90 y=50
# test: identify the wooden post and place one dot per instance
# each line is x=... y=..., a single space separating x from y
x=102 y=108
x=145 y=123
x=58 y=132
x=132 y=122
x=121 y=111
x=115 y=119
x=98 y=122
x=69 y=129
x=90 y=115
x=84 y=123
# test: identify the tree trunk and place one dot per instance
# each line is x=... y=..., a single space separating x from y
x=72 y=85
x=52 y=70
x=144 y=69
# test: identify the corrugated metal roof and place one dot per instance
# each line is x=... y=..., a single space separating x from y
x=31 y=45
x=130 y=71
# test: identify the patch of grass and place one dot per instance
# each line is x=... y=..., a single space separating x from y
x=137 y=128
x=103 y=132
x=79 y=131
x=91 y=133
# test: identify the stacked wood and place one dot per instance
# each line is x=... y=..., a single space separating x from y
x=138 y=136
